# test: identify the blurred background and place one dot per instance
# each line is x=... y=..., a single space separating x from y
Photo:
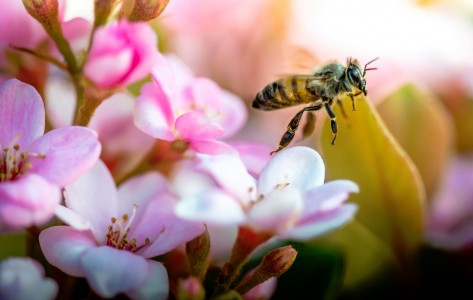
x=409 y=144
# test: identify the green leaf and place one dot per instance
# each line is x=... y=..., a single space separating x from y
x=13 y=244
x=391 y=198
x=423 y=128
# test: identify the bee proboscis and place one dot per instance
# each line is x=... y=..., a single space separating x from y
x=321 y=89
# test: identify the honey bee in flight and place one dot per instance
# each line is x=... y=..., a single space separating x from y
x=321 y=89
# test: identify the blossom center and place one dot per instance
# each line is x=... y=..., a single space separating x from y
x=117 y=235
x=13 y=161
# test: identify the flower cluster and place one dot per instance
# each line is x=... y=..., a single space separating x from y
x=140 y=185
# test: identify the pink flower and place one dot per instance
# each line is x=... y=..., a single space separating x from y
x=23 y=29
x=289 y=198
x=181 y=107
x=124 y=145
x=34 y=166
x=450 y=221
x=113 y=233
x=23 y=278
x=121 y=53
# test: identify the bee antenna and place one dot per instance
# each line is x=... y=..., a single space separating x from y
x=369 y=69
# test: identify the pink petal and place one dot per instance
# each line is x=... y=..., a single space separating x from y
x=277 y=211
x=144 y=41
x=196 y=126
x=141 y=190
x=23 y=30
x=94 y=197
x=173 y=231
x=22 y=114
x=64 y=246
x=156 y=285
x=300 y=167
x=113 y=121
x=322 y=224
x=152 y=114
x=107 y=70
x=254 y=156
x=211 y=147
x=68 y=151
x=110 y=271
x=212 y=206
x=222 y=107
x=227 y=170
x=121 y=53
x=26 y=201
x=170 y=75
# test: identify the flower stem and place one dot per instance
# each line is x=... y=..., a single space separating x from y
x=247 y=241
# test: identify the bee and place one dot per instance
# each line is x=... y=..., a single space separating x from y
x=321 y=89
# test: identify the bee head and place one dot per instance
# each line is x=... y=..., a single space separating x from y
x=355 y=76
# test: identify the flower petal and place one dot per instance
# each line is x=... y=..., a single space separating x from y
x=230 y=173
x=328 y=196
x=156 y=286
x=23 y=278
x=22 y=113
x=211 y=147
x=68 y=151
x=110 y=271
x=63 y=246
x=113 y=121
x=322 y=224
x=72 y=218
x=277 y=211
x=212 y=206
x=300 y=167
x=172 y=231
x=153 y=114
x=196 y=126
x=26 y=201
x=94 y=197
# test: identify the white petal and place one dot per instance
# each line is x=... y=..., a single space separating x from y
x=319 y=227
x=278 y=211
x=110 y=271
x=72 y=218
x=94 y=197
x=301 y=167
x=213 y=206
x=231 y=175
x=156 y=286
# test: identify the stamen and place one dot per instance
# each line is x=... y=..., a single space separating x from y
x=117 y=235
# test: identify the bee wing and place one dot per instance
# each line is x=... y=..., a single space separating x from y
x=289 y=91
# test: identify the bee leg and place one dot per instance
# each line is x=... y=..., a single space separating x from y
x=288 y=136
x=347 y=87
x=333 y=122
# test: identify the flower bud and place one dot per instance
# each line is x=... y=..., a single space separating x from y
x=191 y=289
x=198 y=251
x=102 y=9
x=146 y=10
x=274 y=264
x=45 y=12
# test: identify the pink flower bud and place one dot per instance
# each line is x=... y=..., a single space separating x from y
x=121 y=53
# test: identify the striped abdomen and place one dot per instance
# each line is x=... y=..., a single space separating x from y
x=285 y=92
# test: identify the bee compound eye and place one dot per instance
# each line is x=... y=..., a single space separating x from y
x=354 y=75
